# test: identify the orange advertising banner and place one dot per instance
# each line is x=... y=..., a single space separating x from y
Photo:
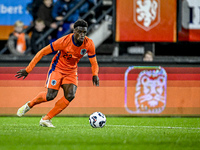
x=169 y=91
x=5 y=32
x=146 y=20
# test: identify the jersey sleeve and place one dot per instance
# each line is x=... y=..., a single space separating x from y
x=93 y=60
x=91 y=51
x=58 y=44
x=45 y=51
x=55 y=46
x=94 y=66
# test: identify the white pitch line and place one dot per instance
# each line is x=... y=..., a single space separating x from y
x=154 y=127
x=127 y=126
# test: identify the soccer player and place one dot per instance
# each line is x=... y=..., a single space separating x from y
x=63 y=70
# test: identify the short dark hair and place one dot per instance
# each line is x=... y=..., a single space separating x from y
x=80 y=23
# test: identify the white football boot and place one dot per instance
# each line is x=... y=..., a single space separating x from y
x=46 y=123
x=22 y=110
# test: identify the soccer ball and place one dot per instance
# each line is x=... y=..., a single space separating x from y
x=97 y=120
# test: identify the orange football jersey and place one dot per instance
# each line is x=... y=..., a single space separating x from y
x=68 y=54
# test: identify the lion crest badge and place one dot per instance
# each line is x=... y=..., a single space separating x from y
x=150 y=96
x=147 y=13
x=150 y=93
x=83 y=51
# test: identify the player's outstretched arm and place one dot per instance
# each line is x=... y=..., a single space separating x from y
x=45 y=51
x=22 y=73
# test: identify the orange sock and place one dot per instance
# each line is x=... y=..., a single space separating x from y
x=60 y=105
x=41 y=97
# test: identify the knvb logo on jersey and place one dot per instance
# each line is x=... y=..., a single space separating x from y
x=53 y=82
x=191 y=14
x=83 y=51
x=146 y=13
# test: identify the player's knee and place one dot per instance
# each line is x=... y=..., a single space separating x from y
x=50 y=96
x=70 y=97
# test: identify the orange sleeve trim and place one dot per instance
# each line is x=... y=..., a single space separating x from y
x=45 y=51
x=94 y=65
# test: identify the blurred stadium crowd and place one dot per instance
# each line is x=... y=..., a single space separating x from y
x=51 y=15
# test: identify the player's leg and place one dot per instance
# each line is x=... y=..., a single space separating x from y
x=69 y=91
x=69 y=85
x=61 y=104
x=53 y=85
x=43 y=97
x=40 y=98
x=51 y=94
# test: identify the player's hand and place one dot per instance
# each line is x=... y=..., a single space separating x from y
x=95 y=80
x=21 y=73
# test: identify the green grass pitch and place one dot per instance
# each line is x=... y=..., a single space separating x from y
x=119 y=133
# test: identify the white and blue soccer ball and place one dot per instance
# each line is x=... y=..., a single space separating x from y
x=97 y=120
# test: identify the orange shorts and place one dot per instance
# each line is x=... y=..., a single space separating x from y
x=56 y=79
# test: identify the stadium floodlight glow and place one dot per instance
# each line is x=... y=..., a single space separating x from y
x=150 y=93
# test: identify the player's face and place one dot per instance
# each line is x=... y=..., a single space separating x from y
x=80 y=33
